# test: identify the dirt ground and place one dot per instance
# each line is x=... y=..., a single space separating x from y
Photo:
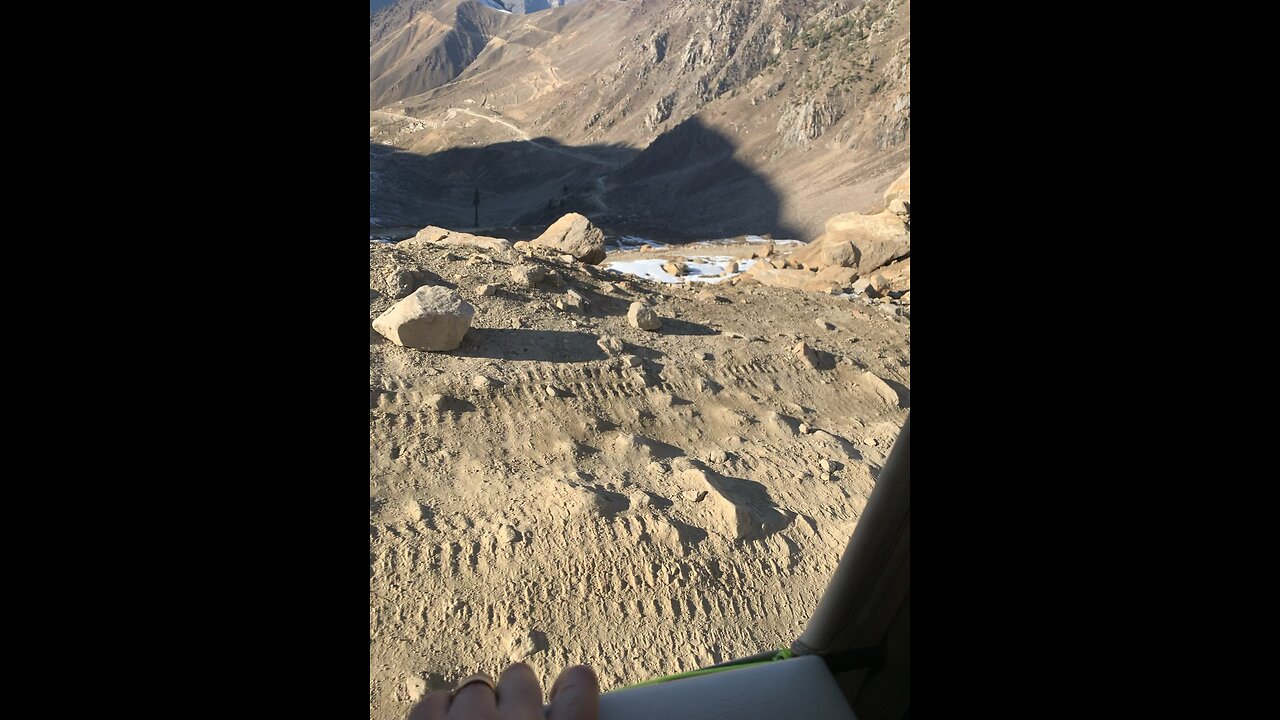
x=652 y=510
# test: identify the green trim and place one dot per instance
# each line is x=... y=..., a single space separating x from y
x=782 y=654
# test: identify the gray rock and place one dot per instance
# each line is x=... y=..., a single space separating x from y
x=401 y=282
x=528 y=275
x=487 y=290
x=432 y=318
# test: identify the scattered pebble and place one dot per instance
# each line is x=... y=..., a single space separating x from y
x=521 y=645
x=415 y=687
x=806 y=354
x=528 y=275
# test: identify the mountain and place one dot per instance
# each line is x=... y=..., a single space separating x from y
x=692 y=118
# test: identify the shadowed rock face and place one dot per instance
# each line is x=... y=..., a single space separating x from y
x=687 y=184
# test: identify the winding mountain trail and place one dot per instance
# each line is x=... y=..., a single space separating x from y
x=525 y=137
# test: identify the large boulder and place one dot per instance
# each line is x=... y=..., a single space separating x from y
x=899 y=189
x=574 y=234
x=862 y=242
x=432 y=318
x=826 y=279
x=432 y=236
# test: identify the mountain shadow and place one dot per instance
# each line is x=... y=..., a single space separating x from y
x=687 y=185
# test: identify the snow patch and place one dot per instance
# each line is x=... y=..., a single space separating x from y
x=709 y=270
x=630 y=242
x=753 y=240
x=495 y=5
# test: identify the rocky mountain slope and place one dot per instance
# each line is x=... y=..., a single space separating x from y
x=683 y=117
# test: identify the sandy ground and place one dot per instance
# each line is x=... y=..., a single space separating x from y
x=643 y=520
